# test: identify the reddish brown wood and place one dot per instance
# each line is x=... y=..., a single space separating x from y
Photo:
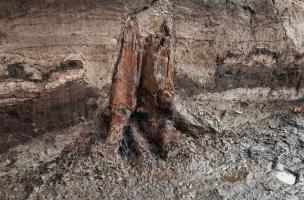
x=143 y=86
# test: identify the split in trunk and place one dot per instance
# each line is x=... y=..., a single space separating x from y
x=142 y=95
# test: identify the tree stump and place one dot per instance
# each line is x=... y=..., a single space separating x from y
x=142 y=95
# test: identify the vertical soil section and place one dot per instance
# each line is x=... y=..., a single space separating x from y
x=52 y=106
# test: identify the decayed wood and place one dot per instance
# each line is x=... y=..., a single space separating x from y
x=125 y=82
x=156 y=92
x=142 y=93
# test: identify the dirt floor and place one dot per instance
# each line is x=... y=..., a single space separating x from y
x=252 y=159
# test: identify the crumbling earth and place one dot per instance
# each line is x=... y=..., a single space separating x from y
x=241 y=163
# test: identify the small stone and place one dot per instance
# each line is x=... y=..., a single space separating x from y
x=192 y=150
x=286 y=177
x=297 y=109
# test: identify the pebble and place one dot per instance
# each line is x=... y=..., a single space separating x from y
x=286 y=177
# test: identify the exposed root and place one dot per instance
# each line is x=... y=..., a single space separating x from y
x=186 y=123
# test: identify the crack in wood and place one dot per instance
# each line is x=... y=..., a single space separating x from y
x=142 y=96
